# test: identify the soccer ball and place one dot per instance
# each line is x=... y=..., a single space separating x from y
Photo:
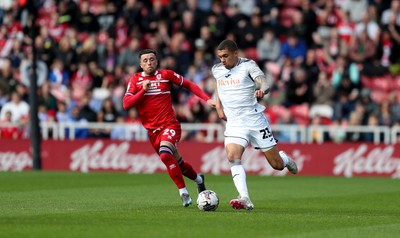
x=207 y=201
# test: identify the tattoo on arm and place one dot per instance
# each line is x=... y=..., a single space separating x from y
x=263 y=82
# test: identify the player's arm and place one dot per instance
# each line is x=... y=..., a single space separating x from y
x=197 y=91
x=132 y=96
x=263 y=87
x=218 y=104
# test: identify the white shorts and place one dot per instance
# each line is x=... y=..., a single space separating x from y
x=259 y=136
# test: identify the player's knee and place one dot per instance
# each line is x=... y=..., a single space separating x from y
x=166 y=154
x=233 y=156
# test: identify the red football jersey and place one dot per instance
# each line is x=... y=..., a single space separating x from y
x=155 y=108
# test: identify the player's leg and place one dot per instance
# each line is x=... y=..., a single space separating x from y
x=186 y=168
x=235 y=147
x=189 y=172
x=263 y=139
x=164 y=142
x=279 y=160
x=166 y=156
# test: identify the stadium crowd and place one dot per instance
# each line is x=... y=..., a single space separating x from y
x=334 y=62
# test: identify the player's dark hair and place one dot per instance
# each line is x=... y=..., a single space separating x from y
x=227 y=45
x=147 y=51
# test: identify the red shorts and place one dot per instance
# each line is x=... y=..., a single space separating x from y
x=170 y=133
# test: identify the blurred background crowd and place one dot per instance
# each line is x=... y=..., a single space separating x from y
x=334 y=62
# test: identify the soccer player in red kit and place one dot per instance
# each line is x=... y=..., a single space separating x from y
x=150 y=92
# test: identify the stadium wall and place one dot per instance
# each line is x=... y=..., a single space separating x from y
x=347 y=159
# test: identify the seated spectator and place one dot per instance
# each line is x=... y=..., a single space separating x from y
x=334 y=47
x=9 y=131
x=294 y=48
x=268 y=47
x=363 y=51
x=130 y=55
x=19 y=109
x=370 y=26
x=59 y=80
x=76 y=118
x=298 y=89
x=393 y=10
x=323 y=93
x=343 y=69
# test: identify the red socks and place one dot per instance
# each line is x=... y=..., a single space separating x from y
x=187 y=169
x=173 y=169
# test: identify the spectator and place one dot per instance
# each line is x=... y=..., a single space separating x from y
x=9 y=131
x=393 y=10
x=46 y=98
x=19 y=109
x=334 y=47
x=323 y=94
x=59 y=80
x=370 y=26
x=26 y=70
x=76 y=118
x=356 y=8
x=86 y=21
x=298 y=90
x=268 y=47
x=294 y=48
x=343 y=69
x=130 y=55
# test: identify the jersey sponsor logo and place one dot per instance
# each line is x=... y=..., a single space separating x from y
x=140 y=79
x=228 y=82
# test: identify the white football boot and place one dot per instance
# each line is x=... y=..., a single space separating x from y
x=186 y=199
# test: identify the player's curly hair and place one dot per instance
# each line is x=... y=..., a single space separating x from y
x=227 y=45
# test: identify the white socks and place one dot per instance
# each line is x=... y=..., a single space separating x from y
x=239 y=177
x=284 y=157
x=198 y=179
x=182 y=191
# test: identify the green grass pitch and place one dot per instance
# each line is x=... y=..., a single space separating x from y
x=67 y=204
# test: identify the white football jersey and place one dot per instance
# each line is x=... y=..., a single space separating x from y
x=236 y=87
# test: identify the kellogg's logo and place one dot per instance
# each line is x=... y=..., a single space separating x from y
x=215 y=162
x=360 y=161
x=15 y=161
x=113 y=157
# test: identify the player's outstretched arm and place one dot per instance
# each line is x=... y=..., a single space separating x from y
x=198 y=92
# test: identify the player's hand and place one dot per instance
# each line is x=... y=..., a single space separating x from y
x=259 y=94
x=146 y=84
x=211 y=103
x=221 y=114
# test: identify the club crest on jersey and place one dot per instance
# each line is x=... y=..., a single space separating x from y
x=158 y=76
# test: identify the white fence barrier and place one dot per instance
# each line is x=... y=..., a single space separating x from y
x=215 y=132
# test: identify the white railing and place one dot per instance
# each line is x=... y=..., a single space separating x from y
x=213 y=132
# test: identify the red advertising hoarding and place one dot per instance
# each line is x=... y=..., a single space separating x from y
x=347 y=159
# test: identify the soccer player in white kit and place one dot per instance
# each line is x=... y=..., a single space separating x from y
x=239 y=83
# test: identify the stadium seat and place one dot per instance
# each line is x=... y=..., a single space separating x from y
x=251 y=53
x=300 y=113
x=379 y=95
